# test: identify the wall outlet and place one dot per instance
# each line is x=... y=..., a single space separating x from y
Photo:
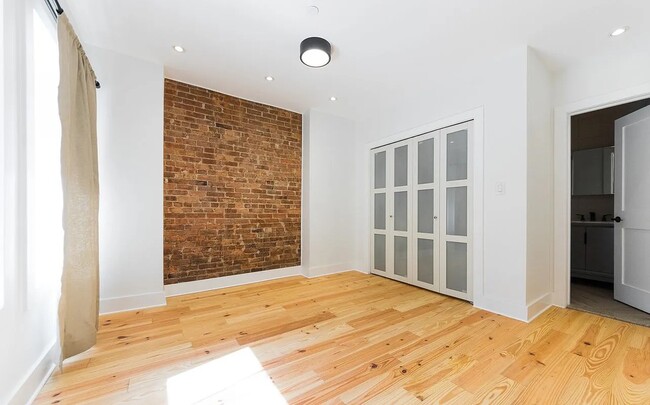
x=501 y=188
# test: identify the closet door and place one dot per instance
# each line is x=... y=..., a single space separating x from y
x=399 y=218
x=426 y=208
x=379 y=201
x=455 y=210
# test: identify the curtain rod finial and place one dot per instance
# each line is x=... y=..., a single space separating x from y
x=59 y=9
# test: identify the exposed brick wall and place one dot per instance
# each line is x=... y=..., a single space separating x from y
x=232 y=185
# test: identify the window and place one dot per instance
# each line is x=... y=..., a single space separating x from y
x=44 y=195
x=3 y=192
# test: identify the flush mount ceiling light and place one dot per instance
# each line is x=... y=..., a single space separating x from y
x=178 y=48
x=269 y=78
x=332 y=98
x=619 y=31
x=315 y=52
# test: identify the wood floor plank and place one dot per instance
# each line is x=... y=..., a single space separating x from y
x=352 y=338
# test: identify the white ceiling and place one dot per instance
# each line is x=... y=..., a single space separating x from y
x=380 y=46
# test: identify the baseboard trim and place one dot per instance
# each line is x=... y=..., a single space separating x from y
x=31 y=386
x=230 y=281
x=510 y=310
x=331 y=269
x=541 y=304
x=132 y=302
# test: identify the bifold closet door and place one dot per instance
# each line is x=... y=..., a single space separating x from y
x=421 y=199
x=399 y=217
x=426 y=211
x=391 y=207
x=455 y=201
x=378 y=244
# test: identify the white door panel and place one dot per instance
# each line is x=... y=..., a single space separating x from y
x=380 y=207
x=632 y=207
x=456 y=198
x=426 y=211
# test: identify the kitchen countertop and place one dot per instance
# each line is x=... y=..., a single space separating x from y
x=593 y=223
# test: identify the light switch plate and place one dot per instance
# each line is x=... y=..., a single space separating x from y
x=501 y=188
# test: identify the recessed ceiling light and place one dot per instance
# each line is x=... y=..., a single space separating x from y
x=332 y=98
x=179 y=49
x=619 y=31
x=269 y=78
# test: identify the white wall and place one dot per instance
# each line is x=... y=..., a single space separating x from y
x=130 y=147
x=539 y=242
x=329 y=169
x=499 y=86
x=600 y=76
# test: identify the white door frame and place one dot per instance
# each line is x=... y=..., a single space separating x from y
x=562 y=181
x=475 y=115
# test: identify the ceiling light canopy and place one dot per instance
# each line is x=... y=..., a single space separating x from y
x=315 y=52
x=619 y=31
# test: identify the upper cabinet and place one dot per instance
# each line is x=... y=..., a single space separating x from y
x=593 y=171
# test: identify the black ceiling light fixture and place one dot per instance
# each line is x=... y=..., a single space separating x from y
x=315 y=52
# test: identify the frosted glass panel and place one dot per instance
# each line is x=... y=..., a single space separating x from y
x=457 y=211
x=425 y=261
x=401 y=165
x=425 y=211
x=380 y=170
x=380 y=252
x=457 y=155
x=380 y=211
x=401 y=211
x=401 y=256
x=425 y=161
x=457 y=266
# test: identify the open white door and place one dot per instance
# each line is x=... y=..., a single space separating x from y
x=632 y=210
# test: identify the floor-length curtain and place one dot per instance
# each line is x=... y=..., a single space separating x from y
x=79 y=304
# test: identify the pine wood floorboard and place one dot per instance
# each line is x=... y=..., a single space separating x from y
x=352 y=338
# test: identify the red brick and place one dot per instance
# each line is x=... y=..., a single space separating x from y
x=232 y=185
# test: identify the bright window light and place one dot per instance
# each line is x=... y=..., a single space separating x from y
x=235 y=378
x=44 y=193
x=2 y=158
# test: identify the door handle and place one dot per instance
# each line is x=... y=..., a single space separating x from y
x=617 y=219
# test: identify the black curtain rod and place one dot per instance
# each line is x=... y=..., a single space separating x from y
x=56 y=11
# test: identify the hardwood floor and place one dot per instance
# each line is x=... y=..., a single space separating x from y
x=352 y=338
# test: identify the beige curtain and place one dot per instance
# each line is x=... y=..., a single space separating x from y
x=79 y=304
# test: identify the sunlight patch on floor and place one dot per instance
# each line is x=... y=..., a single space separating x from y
x=237 y=378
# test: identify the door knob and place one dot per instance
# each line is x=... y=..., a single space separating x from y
x=618 y=219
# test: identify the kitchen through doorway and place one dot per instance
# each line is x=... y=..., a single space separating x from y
x=594 y=215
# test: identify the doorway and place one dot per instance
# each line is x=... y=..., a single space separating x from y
x=595 y=227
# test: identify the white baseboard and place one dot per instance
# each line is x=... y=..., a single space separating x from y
x=502 y=308
x=230 y=281
x=331 y=269
x=537 y=307
x=131 y=302
x=32 y=384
